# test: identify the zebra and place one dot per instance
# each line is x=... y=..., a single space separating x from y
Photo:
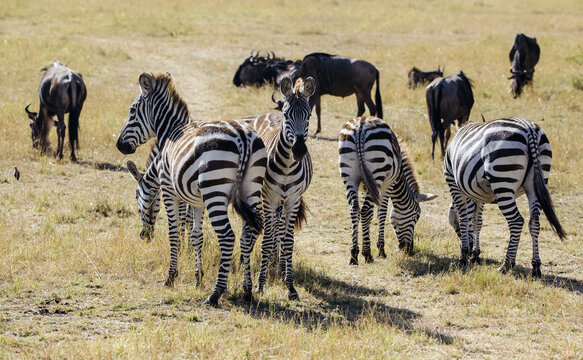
x=495 y=162
x=149 y=219
x=207 y=164
x=289 y=173
x=369 y=153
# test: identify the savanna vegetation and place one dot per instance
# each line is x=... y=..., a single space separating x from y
x=76 y=281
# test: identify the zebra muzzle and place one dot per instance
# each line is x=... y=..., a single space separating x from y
x=299 y=149
x=125 y=147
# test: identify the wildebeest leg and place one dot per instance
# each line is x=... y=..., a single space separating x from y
x=316 y=101
x=360 y=106
x=368 y=100
x=60 y=133
x=442 y=130
x=447 y=136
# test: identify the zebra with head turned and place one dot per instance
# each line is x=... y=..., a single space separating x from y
x=206 y=164
x=495 y=162
x=289 y=173
x=370 y=154
x=149 y=220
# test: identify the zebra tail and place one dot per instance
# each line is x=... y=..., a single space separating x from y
x=248 y=213
x=379 y=102
x=301 y=218
x=73 y=114
x=368 y=178
x=541 y=191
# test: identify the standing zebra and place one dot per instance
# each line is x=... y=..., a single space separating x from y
x=149 y=219
x=370 y=154
x=206 y=164
x=495 y=162
x=289 y=172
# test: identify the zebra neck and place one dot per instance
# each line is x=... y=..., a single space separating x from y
x=401 y=192
x=283 y=148
x=171 y=118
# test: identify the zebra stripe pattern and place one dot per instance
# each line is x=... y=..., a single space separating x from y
x=205 y=164
x=370 y=154
x=495 y=162
x=289 y=173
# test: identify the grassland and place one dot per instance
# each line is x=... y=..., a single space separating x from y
x=77 y=282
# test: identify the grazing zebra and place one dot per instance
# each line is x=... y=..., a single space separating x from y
x=370 y=154
x=289 y=172
x=149 y=219
x=495 y=162
x=206 y=164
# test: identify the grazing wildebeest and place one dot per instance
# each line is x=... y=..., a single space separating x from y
x=417 y=77
x=523 y=56
x=342 y=76
x=449 y=98
x=61 y=91
x=258 y=70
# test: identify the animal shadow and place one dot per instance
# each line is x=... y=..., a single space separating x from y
x=103 y=166
x=341 y=303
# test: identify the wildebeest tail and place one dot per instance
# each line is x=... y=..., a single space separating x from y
x=367 y=176
x=73 y=113
x=433 y=100
x=250 y=215
x=540 y=189
x=379 y=102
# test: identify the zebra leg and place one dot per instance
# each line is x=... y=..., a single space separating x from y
x=247 y=241
x=534 y=229
x=274 y=257
x=280 y=233
x=507 y=204
x=218 y=214
x=196 y=241
x=470 y=212
x=366 y=214
x=352 y=195
x=183 y=211
x=459 y=202
x=291 y=212
x=171 y=203
x=477 y=224
x=382 y=217
x=266 y=245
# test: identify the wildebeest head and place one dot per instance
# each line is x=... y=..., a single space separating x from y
x=524 y=55
x=255 y=71
x=34 y=126
x=296 y=113
x=148 y=204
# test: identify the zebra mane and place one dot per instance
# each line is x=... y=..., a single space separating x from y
x=409 y=171
x=165 y=81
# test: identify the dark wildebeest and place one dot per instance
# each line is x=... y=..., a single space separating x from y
x=258 y=70
x=418 y=77
x=341 y=76
x=523 y=56
x=449 y=98
x=61 y=91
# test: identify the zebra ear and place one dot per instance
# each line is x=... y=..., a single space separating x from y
x=286 y=87
x=309 y=87
x=425 y=197
x=145 y=82
x=134 y=172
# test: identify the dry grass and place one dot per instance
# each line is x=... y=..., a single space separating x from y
x=77 y=282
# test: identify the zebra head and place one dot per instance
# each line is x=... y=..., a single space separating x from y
x=404 y=216
x=148 y=202
x=139 y=126
x=296 y=113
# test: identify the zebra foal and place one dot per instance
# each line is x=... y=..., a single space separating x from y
x=206 y=164
x=289 y=173
x=495 y=162
x=370 y=154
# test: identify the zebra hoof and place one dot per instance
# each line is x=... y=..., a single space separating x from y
x=536 y=272
x=248 y=296
x=170 y=279
x=354 y=257
x=199 y=276
x=475 y=258
x=505 y=267
x=368 y=258
x=293 y=296
x=353 y=261
x=382 y=253
x=211 y=302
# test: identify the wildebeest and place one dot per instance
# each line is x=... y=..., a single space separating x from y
x=258 y=70
x=523 y=56
x=449 y=98
x=61 y=91
x=417 y=77
x=342 y=76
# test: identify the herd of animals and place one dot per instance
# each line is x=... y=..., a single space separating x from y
x=261 y=164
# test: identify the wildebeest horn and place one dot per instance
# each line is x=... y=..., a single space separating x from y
x=26 y=109
x=31 y=115
x=272 y=54
x=483 y=119
x=278 y=102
